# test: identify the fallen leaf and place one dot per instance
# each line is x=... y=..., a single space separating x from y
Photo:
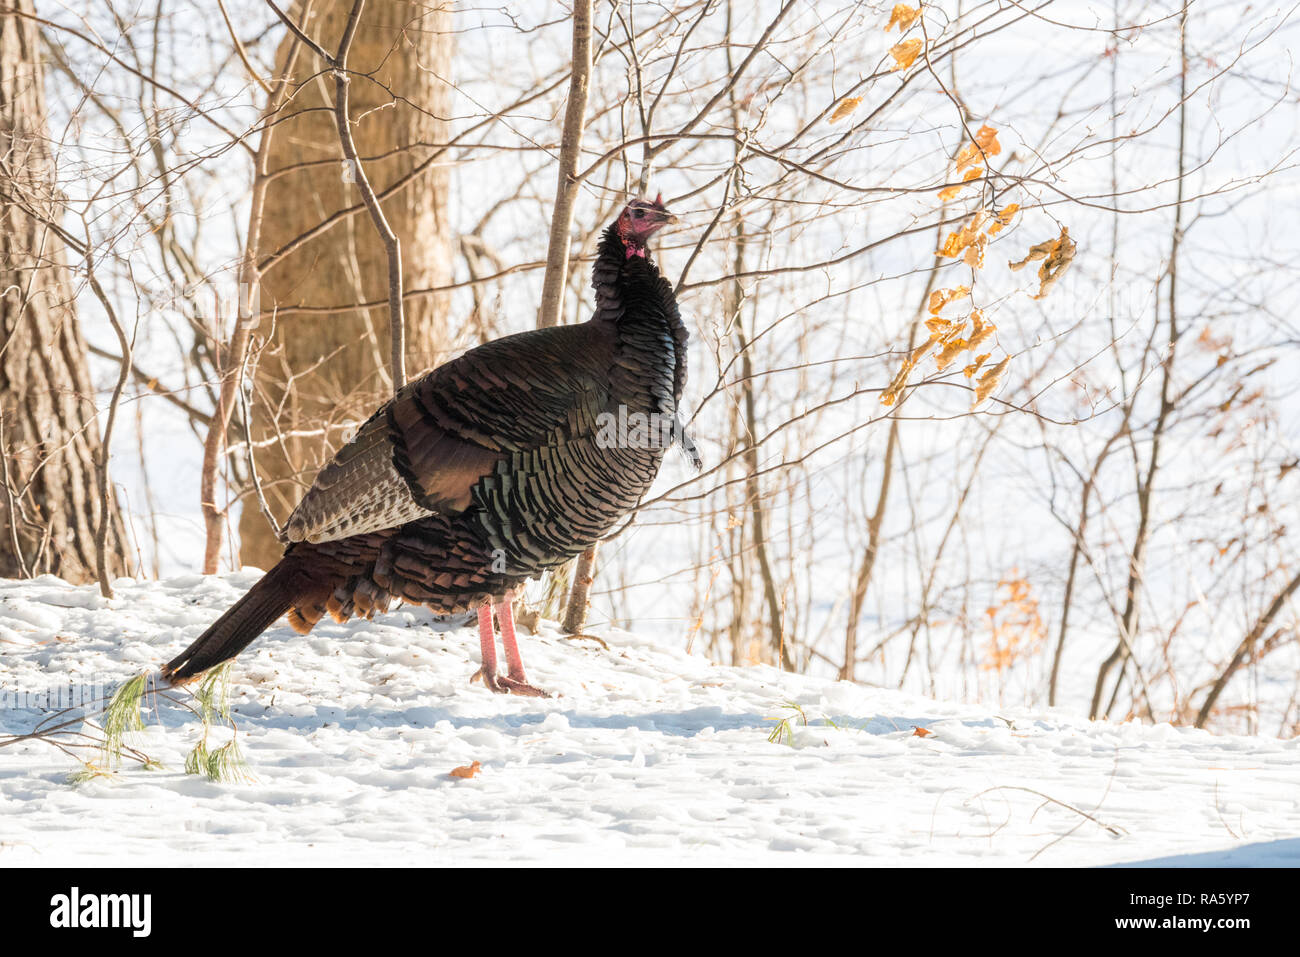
x=845 y=107
x=467 y=771
x=919 y=732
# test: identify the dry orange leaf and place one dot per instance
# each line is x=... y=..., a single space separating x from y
x=986 y=383
x=941 y=297
x=987 y=137
x=1016 y=627
x=890 y=395
x=903 y=15
x=1004 y=219
x=950 y=351
x=467 y=771
x=986 y=144
x=957 y=242
x=1056 y=254
x=905 y=53
x=974 y=255
x=974 y=367
x=919 y=732
x=951 y=192
x=845 y=107
x=983 y=330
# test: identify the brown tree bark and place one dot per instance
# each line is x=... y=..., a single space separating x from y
x=49 y=432
x=321 y=375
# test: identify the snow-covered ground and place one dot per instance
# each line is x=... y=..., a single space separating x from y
x=644 y=755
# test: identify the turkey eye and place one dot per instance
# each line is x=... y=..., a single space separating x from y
x=639 y=213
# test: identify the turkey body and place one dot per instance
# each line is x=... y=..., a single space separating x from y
x=482 y=473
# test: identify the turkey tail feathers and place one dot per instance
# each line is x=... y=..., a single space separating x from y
x=237 y=628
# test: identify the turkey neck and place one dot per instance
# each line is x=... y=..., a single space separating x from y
x=639 y=302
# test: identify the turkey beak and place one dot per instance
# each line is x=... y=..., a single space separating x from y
x=667 y=218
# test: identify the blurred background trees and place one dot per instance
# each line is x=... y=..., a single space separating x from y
x=1064 y=483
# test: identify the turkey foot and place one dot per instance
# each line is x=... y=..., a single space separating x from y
x=504 y=684
x=516 y=681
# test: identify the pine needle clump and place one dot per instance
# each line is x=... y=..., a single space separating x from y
x=225 y=764
x=122 y=716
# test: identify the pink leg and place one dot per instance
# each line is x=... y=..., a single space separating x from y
x=487 y=642
x=516 y=680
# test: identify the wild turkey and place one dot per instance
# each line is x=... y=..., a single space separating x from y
x=486 y=471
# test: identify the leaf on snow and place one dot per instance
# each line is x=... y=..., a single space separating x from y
x=920 y=732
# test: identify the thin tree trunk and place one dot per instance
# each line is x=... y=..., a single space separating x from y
x=753 y=490
x=566 y=184
x=1245 y=649
x=874 y=524
x=584 y=573
x=1079 y=534
x=232 y=356
x=1132 y=602
x=868 y=563
x=558 y=250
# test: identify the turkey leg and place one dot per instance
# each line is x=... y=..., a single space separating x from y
x=515 y=680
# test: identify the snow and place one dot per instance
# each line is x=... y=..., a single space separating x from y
x=645 y=755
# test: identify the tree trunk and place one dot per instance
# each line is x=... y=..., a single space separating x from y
x=326 y=366
x=49 y=433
